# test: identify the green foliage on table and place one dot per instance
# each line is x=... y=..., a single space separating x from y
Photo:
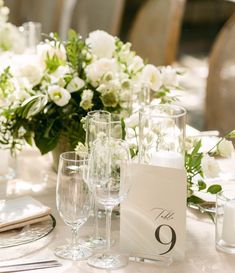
x=195 y=176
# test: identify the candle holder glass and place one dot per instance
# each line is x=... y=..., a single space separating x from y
x=225 y=221
x=162 y=135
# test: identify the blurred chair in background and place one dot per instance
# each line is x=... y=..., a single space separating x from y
x=156 y=29
x=220 y=97
x=44 y=11
x=60 y=15
x=90 y=15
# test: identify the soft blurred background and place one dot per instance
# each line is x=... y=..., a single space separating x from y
x=177 y=32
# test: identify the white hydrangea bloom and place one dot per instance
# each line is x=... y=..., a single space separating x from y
x=101 y=43
x=58 y=95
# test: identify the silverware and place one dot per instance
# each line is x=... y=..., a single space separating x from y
x=29 y=266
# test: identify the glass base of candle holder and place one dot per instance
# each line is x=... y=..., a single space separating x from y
x=221 y=245
x=95 y=243
x=108 y=261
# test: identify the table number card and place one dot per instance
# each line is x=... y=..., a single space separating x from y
x=153 y=217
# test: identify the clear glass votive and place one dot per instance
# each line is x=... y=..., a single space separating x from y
x=225 y=221
x=32 y=35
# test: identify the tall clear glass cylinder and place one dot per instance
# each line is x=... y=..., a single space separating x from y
x=162 y=135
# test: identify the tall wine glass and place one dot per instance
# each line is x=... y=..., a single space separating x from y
x=97 y=126
x=74 y=201
x=110 y=180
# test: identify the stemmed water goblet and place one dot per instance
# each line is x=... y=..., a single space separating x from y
x=74 y=202
x=110 y=181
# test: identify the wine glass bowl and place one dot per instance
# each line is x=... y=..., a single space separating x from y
x=74 y=201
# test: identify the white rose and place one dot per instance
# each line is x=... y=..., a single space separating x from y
x=86 y=99
x=151 y=76
x=32 y=72
x=225 y=148
x=169 y=76
x=210 y=166
x=101 y=43
x=99 y=68
x=75 y=84
x=59 y=95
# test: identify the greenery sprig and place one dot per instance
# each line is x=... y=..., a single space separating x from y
x=195 y=175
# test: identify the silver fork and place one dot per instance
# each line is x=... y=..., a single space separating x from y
x=29 y=266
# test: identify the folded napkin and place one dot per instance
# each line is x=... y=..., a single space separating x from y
x=22 y=211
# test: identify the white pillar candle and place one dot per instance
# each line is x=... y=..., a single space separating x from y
x=167 y=159
x=4 y=156
x=228 y=230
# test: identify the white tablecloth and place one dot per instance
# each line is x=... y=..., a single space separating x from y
x=36 y=178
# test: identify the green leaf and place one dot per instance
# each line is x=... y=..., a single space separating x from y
x=32 y=106
x=201 y=185
x=52 y=63
x=45 y=144
x=231 y=134
x=194 y=200
x=213 y=189
x=123 y=126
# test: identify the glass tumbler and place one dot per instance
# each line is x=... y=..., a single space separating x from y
x=225 y=221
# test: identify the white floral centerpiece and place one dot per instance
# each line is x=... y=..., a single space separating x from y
x=10 y=37
x=47 y=95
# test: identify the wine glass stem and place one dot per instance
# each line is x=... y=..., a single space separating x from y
x=108 y=227
x=96 y=223
x=74 y=237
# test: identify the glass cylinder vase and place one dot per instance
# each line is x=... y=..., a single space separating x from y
x=162 y=135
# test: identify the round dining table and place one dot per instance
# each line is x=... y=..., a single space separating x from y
x=35 y=177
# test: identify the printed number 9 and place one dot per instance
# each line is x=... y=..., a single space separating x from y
x=171 y=243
